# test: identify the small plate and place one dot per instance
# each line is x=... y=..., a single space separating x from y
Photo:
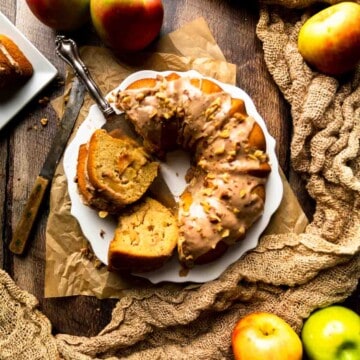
x=100 y=232
x=44 y=72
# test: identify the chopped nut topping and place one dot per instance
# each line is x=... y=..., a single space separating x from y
x=103 y=214
x=140 y=96
x=219 y=150
x=126 y=100
x=253 y=157
x=206 y=206
x=226 y=177
x=219 y=228
x=208 y=191
x=241 y=230
x=214 y=106
x=214 y=218
x=202 y=163
x=242 y=193
x=239 y=116
x=225 y=233
x=224 y=134
x=258 y=153
x=160 y=95
x=217 y=102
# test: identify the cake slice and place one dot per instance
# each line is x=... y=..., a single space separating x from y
x=116 y=170
x=15 y=68
x=88 y=193
x=144 y=239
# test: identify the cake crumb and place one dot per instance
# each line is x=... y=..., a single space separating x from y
x=44 y=101
x=44 y=121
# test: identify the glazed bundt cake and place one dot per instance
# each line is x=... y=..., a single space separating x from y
x=15 y=68
x=226 y=185
x=145 y=237
x=113 y=171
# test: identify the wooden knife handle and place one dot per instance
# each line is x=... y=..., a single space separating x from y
x=27 y=219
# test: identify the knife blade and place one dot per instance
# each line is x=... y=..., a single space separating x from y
x=27 y=219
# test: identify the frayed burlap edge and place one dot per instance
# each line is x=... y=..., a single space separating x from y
x=25 y=333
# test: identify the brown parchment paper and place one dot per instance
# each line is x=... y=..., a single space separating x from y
x=71 y=267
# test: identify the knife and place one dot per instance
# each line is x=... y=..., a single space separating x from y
x=68 y=51
x=22 y=231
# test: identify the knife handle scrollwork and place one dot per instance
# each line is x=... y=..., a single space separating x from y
x=68 y=51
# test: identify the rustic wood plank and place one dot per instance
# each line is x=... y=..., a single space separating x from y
x=30 y=142
x=8 y=8
x=3 y=212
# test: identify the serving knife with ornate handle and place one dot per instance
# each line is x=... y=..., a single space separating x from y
x=67 y=50
x=22 y=231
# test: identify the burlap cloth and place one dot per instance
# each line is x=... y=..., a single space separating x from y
x=289 y=274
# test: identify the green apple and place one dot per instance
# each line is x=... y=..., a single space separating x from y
x=330 y=39
x=332 y=333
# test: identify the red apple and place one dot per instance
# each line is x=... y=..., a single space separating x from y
x=61 y=14
x=330 y=39
x=265 y=336
x=127 y=25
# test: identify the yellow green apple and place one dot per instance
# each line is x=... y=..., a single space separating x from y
x=127 y=25
x=265 y=336
x=61 y=14
x=332 y=333
x=330 y=39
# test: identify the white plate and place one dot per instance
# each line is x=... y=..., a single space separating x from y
x=99 y=231
x=44 y=72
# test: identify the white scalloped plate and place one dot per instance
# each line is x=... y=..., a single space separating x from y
x=99 y=232
x=44 y=72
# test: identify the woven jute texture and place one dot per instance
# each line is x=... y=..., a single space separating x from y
x=289 y=275
x=25 y=333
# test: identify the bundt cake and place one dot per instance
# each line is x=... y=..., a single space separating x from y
x=226 y=185
x=113 y=171
x=15 y=68
x=145 y=238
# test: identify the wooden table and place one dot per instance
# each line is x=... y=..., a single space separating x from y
x=24 y=142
